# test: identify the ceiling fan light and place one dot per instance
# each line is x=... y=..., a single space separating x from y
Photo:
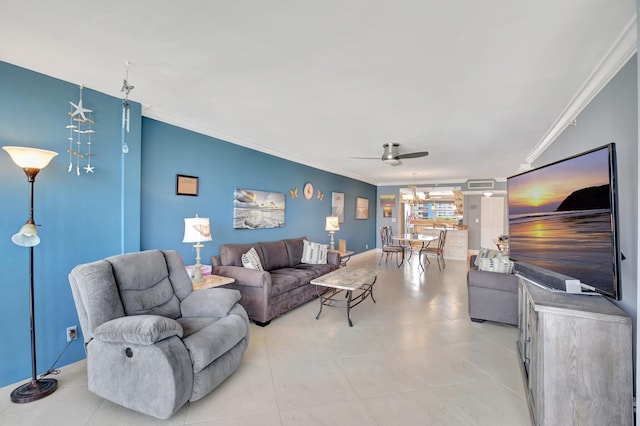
x=391 y=161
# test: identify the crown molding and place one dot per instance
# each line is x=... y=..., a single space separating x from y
x=618 y=55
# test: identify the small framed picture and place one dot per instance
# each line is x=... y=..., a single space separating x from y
x=337 y=205
x=187 y=185
x=362 y=208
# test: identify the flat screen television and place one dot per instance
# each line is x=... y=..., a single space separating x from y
x=563 y=218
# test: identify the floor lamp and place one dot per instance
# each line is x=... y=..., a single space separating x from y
x=31 y=160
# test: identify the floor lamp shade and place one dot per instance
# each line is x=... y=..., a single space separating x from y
x=31 y=160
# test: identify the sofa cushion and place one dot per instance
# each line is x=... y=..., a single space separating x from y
x=282 y=283
x=303 y=275
x=231 y=254
x=295 y=247
x=318 y=269
x=274 y=255
x=314 y=253
x=251 y=260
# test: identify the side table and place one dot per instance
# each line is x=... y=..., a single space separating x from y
x=344 y=256
x=212 y=281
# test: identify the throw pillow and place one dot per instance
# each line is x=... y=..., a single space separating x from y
x=314 y=253
x=251 y=260
x=485 y=253
x=498 y=264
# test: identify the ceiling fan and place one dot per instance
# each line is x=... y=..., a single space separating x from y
x=392 y=156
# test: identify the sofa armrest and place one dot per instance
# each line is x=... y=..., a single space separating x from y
x=214 y=302
x=244 y=276
x=492 y=280
x=138 y=329
x=333 y=257
x=255 y=288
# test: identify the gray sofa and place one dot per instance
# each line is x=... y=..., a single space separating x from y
x=492 y=296
x=284 y=283
x=152 y=342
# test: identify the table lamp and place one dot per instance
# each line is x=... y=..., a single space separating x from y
x=197 y=230
x=31 y=160
x=331 y=226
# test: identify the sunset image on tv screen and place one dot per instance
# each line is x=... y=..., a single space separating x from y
x=560 y=218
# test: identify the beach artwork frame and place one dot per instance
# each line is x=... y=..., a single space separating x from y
x=254 y=209
x=337 y=205
x=362 y=208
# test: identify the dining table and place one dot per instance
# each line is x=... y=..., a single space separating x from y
x=409 y=241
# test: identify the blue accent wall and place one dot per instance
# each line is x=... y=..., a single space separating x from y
x=221 y=167
x=80 y=217
x=128 y=204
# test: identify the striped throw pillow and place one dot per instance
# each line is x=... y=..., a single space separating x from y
x=485 y=253
x=314 y=253
x=496 y=264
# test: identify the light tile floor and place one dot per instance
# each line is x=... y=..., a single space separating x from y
x=412 y=358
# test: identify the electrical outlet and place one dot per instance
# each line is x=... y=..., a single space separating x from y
x=366 y=246
x=72 y=333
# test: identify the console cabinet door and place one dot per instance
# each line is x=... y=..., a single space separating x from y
x=577 y=357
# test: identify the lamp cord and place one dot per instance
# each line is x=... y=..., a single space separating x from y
x=52 y=369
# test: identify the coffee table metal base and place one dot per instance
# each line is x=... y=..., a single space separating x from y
x=334 y=297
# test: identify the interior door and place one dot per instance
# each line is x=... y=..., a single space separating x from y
x=491 y=220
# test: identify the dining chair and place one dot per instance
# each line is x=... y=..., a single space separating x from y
x=388 y=248
x=437 y=251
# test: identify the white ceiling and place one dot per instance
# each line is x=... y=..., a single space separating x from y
x=479 y=84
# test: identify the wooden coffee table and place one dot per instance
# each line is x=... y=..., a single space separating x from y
x=356 y=282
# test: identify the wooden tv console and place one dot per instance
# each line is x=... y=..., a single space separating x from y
x=576 y=358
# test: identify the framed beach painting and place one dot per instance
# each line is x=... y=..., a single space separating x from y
x=337 y=205
x=258 y=209
x=362 y=208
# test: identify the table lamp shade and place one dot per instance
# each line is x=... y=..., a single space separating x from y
x=332 y=224
x=196 y=229
x=30 y=158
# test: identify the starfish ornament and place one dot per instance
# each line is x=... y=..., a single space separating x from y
x=88 y=168
x=80 y=110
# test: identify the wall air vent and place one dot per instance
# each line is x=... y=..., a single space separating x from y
x=480 y=184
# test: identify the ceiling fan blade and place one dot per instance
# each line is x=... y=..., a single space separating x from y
x=413 y=155
x=365 y=158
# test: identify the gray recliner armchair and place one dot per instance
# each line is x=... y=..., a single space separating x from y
x=152 y=342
